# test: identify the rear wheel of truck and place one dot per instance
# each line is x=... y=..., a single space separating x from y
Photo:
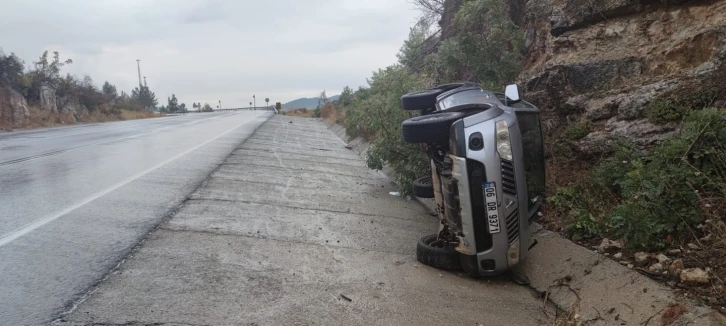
x=426 y=99
x=432 y=128
x=423 y=187
x=437 y=254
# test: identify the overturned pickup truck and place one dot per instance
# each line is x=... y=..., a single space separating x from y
x=486 y=155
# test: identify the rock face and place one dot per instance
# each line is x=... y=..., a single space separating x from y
x=606 y=60
x=72 y=106
x=48 y=99
x=13 y=107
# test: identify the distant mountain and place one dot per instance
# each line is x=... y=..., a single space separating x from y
x=306 y=102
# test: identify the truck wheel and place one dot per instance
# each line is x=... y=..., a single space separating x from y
x=432 y=128
x=420 y=100
x=431 y=252
x=423 y=100
x=423 y=187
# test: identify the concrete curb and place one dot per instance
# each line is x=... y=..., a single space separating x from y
x=584 y=283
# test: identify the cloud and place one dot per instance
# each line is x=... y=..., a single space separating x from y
x=214 y=50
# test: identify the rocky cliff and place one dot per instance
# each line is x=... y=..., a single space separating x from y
x=605 y=64
x=13 y=107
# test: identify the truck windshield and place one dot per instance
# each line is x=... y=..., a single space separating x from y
x=533 y=150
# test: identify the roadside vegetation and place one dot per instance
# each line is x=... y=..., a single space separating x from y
x=672 y=195
x=52 y=98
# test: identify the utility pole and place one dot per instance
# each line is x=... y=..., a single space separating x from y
x=220 y=104
x=145 y=85
x=138 y=65
x=254 y=100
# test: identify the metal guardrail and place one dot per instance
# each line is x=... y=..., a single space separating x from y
x=266 y=108
x=261 y=108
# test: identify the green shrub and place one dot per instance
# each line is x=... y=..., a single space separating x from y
x=580 y=216
x=664 y=110
x=376 y=113
x=487 y=48
x=577 y=131
x=658 y=196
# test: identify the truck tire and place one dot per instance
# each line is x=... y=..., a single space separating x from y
x=428 y=253
x=423 y=187
x=432 y=128
x=420 y=100
x=423 y=100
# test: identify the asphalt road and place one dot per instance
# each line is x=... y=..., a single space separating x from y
x=75 y=201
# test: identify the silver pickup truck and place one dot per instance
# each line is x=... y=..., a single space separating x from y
x=487 y=175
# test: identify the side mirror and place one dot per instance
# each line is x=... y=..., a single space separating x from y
x=512 y=94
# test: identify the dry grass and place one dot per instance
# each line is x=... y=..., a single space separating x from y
x=40 y=118
x=331 y=115
x=303 y=113
x=132 y=115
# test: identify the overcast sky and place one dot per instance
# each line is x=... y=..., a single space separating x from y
x=209 y=50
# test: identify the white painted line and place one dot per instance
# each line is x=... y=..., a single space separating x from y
x=14 y=235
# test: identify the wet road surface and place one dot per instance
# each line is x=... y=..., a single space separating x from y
x=75 y=200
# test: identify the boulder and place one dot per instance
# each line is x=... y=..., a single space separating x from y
x=13 y=106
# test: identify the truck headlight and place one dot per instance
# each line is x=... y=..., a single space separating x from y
x=504 y=144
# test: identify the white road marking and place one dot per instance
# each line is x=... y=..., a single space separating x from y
x=22 y=231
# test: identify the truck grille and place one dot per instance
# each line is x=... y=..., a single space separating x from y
x=513 y=226
x=477 y=177
x=509 y=184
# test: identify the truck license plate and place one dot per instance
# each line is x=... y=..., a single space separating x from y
x=490 y=192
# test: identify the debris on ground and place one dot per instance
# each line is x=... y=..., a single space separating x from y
x=641 y=257
x=663 y=259
x=672 y=314
x=694 y=276
x=609 y=246
x=348 y=146
x=346 y=297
